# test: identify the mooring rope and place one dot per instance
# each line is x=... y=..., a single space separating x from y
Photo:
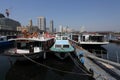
x=51 y=68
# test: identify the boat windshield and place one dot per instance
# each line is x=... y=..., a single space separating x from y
x=58 y=46
x=22 y=45
x=1 y=39
x=58 y=38
x=64 y=38
x=65 y=46
x=26 y=45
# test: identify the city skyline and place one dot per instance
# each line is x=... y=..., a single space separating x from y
x=93 y=15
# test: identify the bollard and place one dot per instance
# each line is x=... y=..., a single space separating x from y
x=91 y=71
x=44 y=56
x=117 y=57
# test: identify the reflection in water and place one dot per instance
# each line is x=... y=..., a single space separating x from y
x=4 y=66
x=31 y=71
x=25 y=72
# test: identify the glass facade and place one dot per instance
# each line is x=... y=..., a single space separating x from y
x=8 y=24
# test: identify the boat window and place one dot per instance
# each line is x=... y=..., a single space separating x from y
x=36 y=44
x=40 y=44
x=64 y=38
x=65 y=46
x=22 y=45
x=74 y=37
x=57 y=46
x=1 y=39
x=57 y=38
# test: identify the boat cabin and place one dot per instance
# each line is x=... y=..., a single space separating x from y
x=92 y=38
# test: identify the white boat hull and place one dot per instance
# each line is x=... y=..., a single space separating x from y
x=22 y=54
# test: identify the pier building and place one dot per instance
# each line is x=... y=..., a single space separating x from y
x=8 y=26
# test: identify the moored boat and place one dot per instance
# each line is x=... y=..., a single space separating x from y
x=33 y=47
x=87 y=39
x=4 y=42
x=62 y=47
x=93 y=39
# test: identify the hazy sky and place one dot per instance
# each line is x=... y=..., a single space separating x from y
x=94 y=15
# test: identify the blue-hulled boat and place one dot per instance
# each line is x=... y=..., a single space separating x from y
x=62 y=47
x=4 y=42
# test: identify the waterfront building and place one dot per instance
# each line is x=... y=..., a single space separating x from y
x=8 y=26
x=30 y=26
x=20 y=28
x=64 y=29
x=82 y=29
x=30 y=23
x=51 y=26
x=54 y=29
x=69 y=30
x=42 y=23
x=47 y=29
x=61 y=29
x=33 y=28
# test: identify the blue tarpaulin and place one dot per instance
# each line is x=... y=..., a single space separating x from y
x=82 y=60
x=80 y=53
